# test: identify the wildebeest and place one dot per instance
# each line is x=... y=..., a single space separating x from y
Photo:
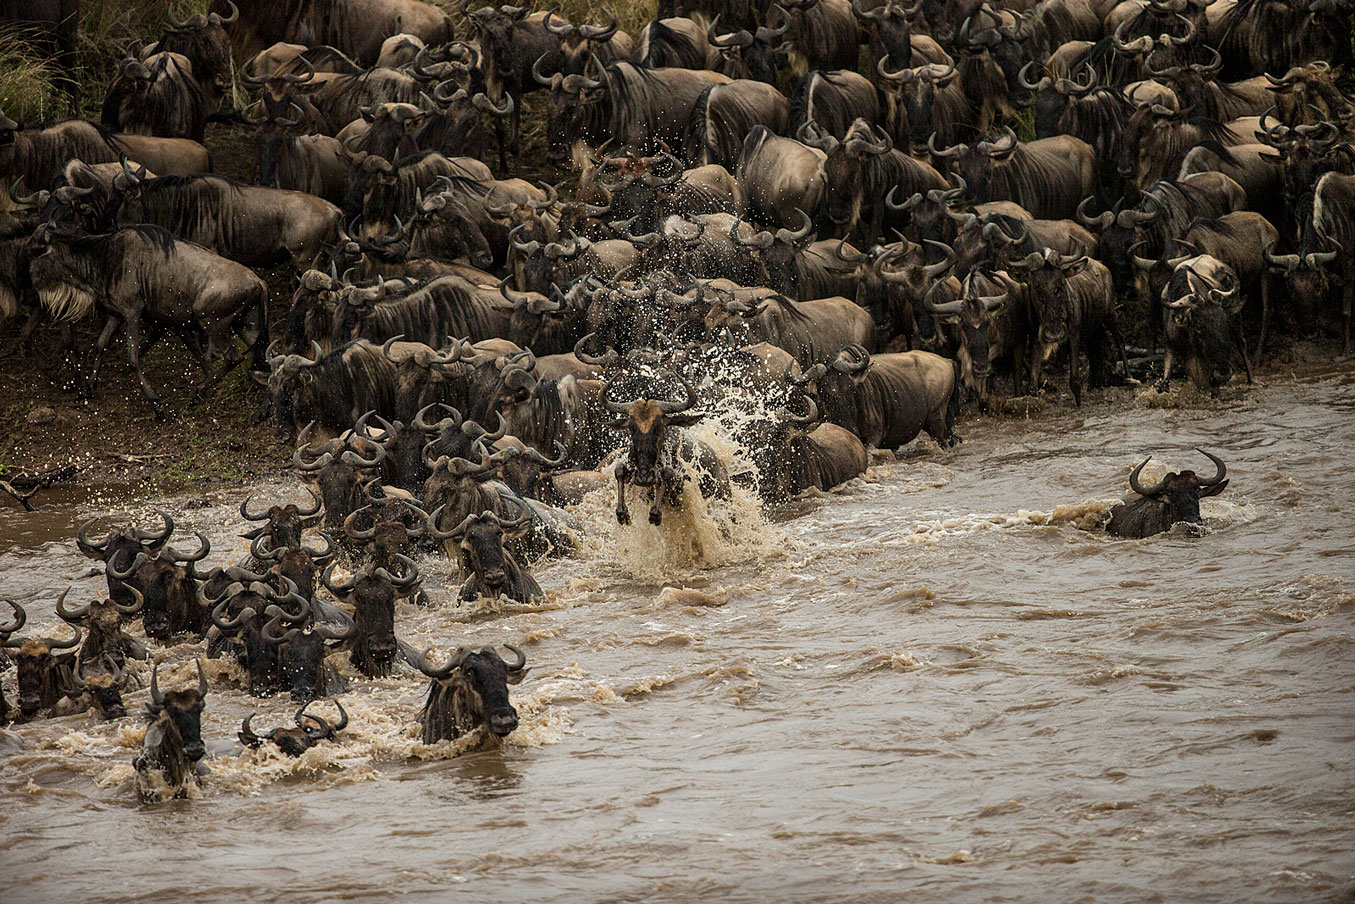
x=469 y=693
x=861 y=170
x=43 y=674
x=39 y=155
x=202 y=40
x=812 y=331
x=283 y=524
x=142 y=277
x=1048 y=177
x=821 y=458
x=991 y=329
x=833 y=101
x=631 y=105
x=1072 y=304
x=780 y=176
x=491 y=570
x=745 y=54
x=156 y=96
x=310 y=730
x=511 y=38
x=252 y=224
x=243 y=611
x=356 y=27
x=823 y=35
x=1200 y=304
x=887 y=400
x=659 y=451
x=372 y=594
x=1334 y=224
x=1174 y=499
x=169 y=584
x=173 y=743
x=102 y=621
x=122 y=545
x=725 y=114
x=20 y=619
x=331 y=389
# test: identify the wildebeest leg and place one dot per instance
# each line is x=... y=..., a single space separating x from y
x=655 y=508
x=134 y=357
x=1074 y=378
x=193 y=342
x=1167 y=360
x=96 y=356
x=622 y=513
x=1241 y=341
x=233 y=357
x=501 y=140
x=1265 y=314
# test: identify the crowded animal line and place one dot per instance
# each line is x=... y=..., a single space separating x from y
x=649 y=437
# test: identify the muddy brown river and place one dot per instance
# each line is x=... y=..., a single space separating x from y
x=932 y=682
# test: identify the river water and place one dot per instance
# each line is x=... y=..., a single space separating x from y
x=932 y=680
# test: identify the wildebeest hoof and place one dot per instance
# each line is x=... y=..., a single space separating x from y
x=622 y=516
x=655 y=516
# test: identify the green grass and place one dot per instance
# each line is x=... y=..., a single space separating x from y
x=28 y=81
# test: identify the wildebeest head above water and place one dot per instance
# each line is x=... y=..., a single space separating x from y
x=1174 y=499
x=470 y=692
x=310 y=730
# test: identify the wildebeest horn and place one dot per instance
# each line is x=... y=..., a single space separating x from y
x=1101 y=221
x=301 y=464
x=1140 y=488
x=421 y=424
x=145 y=536
x=1027 y=83
x=521 y=659
x=355 y=533
x=944 y=265
x=157 y=700
x=20 y=618
x=949 y=307
x=67 y=615
x=853 y=257
x=810 y=416
x=954 y=150
x=204 y=547
x=1220 y=469
x=1287 y=261
x=82 y=539
x=124 y=574
x=608 y=358
x=356 y=460
x=791 y=236
x=244 y=511
x=442 y=671
x=600 y=32
x=339 y=590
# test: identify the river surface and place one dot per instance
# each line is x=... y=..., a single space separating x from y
x=931 y=682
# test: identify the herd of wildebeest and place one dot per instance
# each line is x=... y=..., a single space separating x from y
x=815 y=211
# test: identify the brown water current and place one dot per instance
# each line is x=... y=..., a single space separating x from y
x=931 y=681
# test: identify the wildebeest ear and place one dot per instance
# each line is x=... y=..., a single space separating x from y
x=305 y=377
x=260 y=378
x=154 y=735
x=684 y=420
x=516 y=677
x=620 y=423
x=1215 y=489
